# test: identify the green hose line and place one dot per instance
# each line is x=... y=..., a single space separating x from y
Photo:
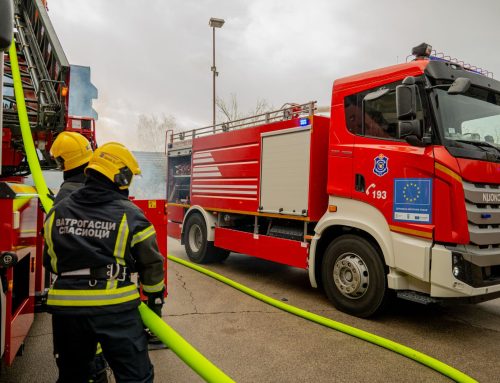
x=426 y=360
x=168 y=336
x=29 y=145
x=18 y=203
x=201 y=365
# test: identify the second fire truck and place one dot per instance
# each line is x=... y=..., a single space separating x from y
x=398 y=191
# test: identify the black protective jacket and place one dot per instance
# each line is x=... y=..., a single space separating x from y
x=97 y=226
x=70 y=184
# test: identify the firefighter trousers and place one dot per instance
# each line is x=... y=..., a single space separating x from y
x=123 y=340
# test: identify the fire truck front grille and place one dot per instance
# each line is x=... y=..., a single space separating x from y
x=482 y=202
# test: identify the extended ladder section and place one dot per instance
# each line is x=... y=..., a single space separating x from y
x=286 y=112
x=45 y=75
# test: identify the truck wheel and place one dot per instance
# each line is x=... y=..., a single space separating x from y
x=354 y=276
x=8 y=259
x=198 y=249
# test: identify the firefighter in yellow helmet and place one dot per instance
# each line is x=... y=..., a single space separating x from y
x=72 y=153
x=94 y=239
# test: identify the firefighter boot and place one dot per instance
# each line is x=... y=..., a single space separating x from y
x=100 y=369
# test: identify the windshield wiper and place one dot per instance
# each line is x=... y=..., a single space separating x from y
x=480 y=144
x=483 y=145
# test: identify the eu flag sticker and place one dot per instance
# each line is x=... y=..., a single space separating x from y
x=413 y=200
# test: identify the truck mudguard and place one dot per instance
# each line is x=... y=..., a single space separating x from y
x=355 y=214
x=210 y=221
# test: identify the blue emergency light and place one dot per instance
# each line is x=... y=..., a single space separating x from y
x=304 y=121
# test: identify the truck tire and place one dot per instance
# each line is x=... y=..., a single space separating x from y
x=354 y=276
x=198 y=248
x=8 y=259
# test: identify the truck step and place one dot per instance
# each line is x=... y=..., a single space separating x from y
x=416 y=297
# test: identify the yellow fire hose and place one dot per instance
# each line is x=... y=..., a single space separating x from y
x=201 y=365
x=408 y=352
x=29 y=146
x=18 y=203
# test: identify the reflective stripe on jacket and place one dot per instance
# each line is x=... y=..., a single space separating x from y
x=57 y=297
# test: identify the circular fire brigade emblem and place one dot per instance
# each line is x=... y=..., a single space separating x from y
x=381 y=168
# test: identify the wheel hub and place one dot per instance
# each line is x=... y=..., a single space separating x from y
x=195 y=238
x=350 y=275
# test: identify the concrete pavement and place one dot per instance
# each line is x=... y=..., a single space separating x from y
x=254 y=342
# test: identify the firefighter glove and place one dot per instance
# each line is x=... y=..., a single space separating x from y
x=155 y=302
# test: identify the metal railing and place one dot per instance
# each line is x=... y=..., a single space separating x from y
x=286 y=112
x=439 y=56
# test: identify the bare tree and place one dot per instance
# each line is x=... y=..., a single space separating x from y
x=497 y=135
x=151 y=131
x=229 y=111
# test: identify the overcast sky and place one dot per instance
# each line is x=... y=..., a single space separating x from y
x=154 y=56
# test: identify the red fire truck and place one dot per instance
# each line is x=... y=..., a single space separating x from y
x=46 y=80
x=45 y=75
x=396 y=193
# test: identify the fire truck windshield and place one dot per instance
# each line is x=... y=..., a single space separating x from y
x=470 y=122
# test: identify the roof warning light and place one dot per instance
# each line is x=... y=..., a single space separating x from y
x=304 y=121
x=423 y=50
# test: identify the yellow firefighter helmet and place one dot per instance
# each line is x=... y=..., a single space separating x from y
x=115 y=162
x=70 y=150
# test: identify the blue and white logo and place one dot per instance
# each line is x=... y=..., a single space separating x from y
x=381 y=168
x=413 y=200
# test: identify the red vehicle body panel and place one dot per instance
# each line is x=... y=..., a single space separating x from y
x=285 y=251
x=83 y=125
x=226 y=168
x=175 y=212
x=19 y=318
x=370 y=79
x=318 y=198
x=174 y=230
x=20 y=240
x=351 y=154
x=449 y=206
x=175 y=215
x=155 y=212
x=9 y=157
x=479 y=171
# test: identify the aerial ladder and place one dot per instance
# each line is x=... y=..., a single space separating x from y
x=58 y=97
x=45 y=75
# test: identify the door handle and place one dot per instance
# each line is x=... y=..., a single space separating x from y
x=359 y=183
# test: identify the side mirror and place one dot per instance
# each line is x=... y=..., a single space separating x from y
x=459 y=86
x=6 y=24
x=410 y=128
x=412 y=132
x=406 y=102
